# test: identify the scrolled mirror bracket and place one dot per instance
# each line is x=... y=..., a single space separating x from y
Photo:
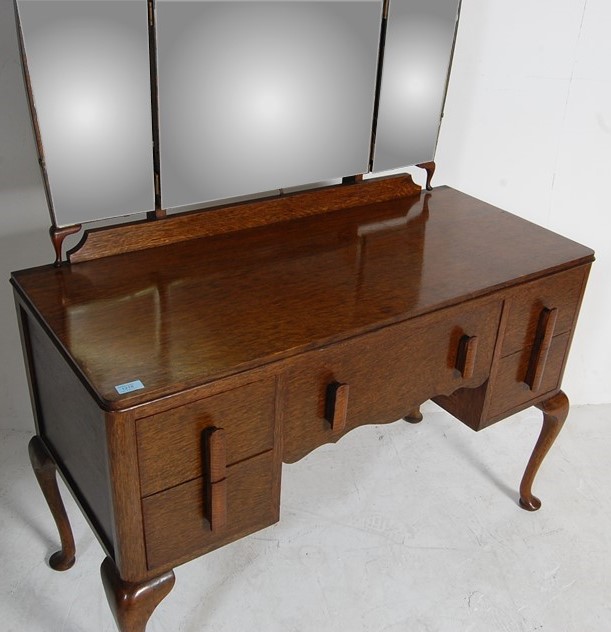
x=429 y=167
x=58 y=234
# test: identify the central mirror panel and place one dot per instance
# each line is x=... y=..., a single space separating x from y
x=88 y=64
x=261 y=95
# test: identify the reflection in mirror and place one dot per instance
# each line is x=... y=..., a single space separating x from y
x=417 y=53
x=259 y=95
x=88 y=62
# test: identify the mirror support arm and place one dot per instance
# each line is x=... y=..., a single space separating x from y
x=429 y=167
x=57 y=237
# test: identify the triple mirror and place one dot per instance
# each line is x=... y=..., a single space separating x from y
x=142 y=105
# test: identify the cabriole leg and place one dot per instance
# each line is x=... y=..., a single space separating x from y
x=555 y=410
x=46 y=474
x=414 y=416
x=133 y=603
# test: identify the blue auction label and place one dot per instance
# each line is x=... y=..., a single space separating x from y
x=129 y=387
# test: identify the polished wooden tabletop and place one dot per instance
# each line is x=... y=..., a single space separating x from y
x=181 y=315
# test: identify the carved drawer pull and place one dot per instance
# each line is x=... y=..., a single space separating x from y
x=336 y=408
x=465 y=360
x=215 y=476
x=543 y=341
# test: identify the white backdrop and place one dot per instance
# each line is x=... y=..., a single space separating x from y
x=527 y=127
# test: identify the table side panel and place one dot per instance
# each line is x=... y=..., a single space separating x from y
x=73 y=427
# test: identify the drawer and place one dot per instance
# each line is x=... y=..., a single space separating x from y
x=509 y=390
x=175 y=523
x=562 y=291
x=170 y=448
x=387 y=372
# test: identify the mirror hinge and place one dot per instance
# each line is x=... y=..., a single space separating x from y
x=151 y=13
x=157 y=187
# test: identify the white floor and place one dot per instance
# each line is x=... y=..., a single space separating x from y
x=397 y=528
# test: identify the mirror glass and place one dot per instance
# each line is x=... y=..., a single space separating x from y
x=88 y=62
x=417 y=55
x=260 y=95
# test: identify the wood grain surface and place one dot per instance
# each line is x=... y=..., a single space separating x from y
x=175 y=523
x=113 y=240
x=185 y=314
x=170 y=443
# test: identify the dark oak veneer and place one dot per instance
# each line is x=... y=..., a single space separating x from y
x=170 y=443
x=262 y=337
x=174 y=524
x=388 y=371
x=562 y=292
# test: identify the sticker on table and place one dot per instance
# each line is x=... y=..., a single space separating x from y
x=128 y=387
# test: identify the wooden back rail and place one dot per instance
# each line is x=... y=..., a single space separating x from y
x=144 y=234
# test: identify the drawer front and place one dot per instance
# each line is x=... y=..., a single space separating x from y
x=170 y=448
x=509 y=390
x=175 y=523
x=386 y=372
x=561 y=291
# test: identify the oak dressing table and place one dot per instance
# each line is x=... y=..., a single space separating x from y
x=174 y=370
x=175 y=362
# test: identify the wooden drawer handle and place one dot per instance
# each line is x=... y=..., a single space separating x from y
x=465 y=360
x=336 y=405
x=215 y=476
x=540 y=349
